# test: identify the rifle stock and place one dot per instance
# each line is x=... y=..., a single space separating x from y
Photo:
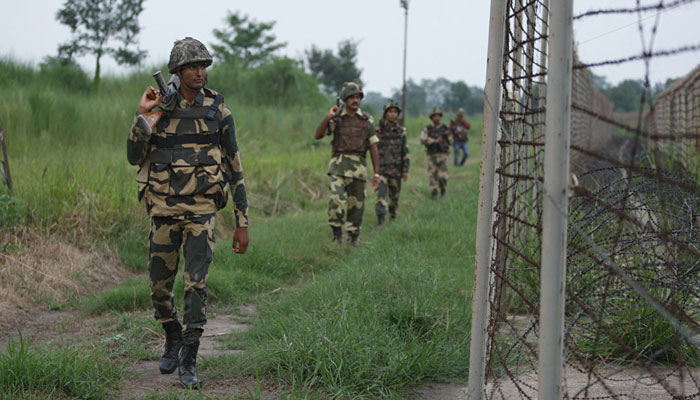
x=149 y=120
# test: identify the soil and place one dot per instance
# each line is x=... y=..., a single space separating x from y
x=147 y=379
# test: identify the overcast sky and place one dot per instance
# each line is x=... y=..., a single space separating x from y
x=446 y=38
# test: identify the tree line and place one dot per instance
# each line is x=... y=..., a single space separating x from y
x=110 y=29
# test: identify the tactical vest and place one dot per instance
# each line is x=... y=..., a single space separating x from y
x=436 y=132
x=185 y=171
x=350 y=136
x=390 y=148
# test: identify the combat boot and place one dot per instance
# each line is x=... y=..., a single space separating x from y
x=433 y=194
x=380 y=219
x=173 y=343
x=337 y=234
x=188 y=366
x=353 y=237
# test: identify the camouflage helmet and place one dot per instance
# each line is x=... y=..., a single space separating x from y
x=188 y=51
x=435 y=110
x=351 y=88
x=392 y=104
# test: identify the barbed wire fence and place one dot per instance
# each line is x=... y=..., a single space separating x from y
x=632 y=285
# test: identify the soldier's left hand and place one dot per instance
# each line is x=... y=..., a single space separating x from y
x=404 y=176
x=375 y=183
x=240 y=240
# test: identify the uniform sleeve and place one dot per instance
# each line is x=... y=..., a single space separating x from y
x=406 y=154
x=232 y=163
x=450 y=138
x=371 y=132
x=425 y=140
x=137 y=144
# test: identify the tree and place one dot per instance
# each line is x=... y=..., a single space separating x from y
x=627 y=95
x=331 y=70
x=96 y=24
x=245 y=41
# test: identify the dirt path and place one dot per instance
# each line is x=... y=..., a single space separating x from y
x=629 y=383
x=147 y=379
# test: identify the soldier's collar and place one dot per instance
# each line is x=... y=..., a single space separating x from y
x=199 y=99
x=358 y=113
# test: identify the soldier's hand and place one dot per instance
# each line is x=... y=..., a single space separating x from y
x=240 y=240
x=375 y=183
x=149 y=100
x=333 y=111
x=439 y=139
x=404 y=176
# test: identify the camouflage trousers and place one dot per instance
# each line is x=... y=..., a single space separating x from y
x=196 y=236
x=388 y=195
x=350 y=192
x=437 y=172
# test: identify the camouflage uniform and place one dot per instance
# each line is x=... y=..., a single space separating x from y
x=347 y=169
x=185 y=166
x=394 y=161
x=438 y=153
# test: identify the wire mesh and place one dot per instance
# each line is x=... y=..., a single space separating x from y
x=633 y=256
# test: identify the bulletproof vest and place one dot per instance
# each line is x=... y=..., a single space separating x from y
x=350 y=136
x=436 y=132
x=186 y=171
x=390 y=145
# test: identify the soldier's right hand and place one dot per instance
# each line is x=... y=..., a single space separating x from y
x=149 y=100
x=333 y=111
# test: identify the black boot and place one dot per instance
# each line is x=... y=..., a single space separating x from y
x=188 y=366
x=353 y=237
x=337 y=234
x=173 y=343
x=380 y=219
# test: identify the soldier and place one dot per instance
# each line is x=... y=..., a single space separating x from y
x=185 y=165
x=394 y=161
x=353 y=134
x=459 y=127
x=437 y=139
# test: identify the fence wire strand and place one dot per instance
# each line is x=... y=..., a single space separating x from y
x=633 y=258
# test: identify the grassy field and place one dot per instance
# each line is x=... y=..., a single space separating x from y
x=370 y=321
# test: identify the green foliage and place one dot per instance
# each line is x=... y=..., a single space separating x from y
x=56 y=372
x=277 y=82
x=13 y=211
x=132 y=294
x=67 y=73
x=94 y=24
x=377 y=318
x=450 y=96
x=245 y=42
x=334 y=70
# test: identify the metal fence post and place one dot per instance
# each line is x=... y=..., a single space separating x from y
x=555 y=205
x=487 y=187
x=6 y=162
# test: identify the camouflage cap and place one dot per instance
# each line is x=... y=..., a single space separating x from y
x=188 y=51
x=392 y=104
x=460 y=112
x=435 y=110
x=351 y=88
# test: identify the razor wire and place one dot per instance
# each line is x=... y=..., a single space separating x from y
x=633 y=286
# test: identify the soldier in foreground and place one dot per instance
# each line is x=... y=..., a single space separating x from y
x=186 y=161
x=353 y=134
x=394 y=161
x=436 y=138
x=459 y=127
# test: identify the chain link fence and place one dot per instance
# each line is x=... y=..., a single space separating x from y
x=633 y=260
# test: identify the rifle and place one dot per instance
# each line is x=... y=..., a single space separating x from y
x=5 y=163
x=341 y=106
x=168 y=92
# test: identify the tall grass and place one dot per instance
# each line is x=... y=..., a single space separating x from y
x=360 y=322
x=28 y=372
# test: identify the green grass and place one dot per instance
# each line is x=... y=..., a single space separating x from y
x=360 y=322
x=31 y=372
